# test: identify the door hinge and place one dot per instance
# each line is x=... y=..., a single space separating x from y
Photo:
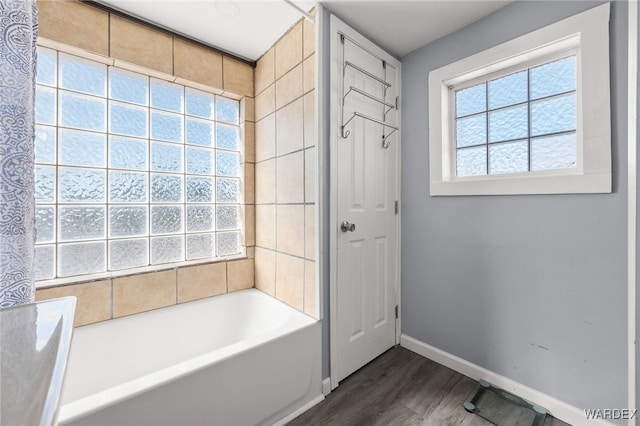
x=396 y=311
x=342 y=38
x=397 y=102
x=397 y=208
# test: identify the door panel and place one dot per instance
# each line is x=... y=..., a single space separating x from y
x=367 y=176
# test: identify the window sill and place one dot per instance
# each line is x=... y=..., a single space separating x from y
x=56 y=282
x=525 y=184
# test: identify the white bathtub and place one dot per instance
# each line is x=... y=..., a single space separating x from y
x=238 y=359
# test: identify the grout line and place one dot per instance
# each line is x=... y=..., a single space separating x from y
x=176 y=285
x=111 y=281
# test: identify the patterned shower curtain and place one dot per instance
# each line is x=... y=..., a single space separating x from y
x=18 y=35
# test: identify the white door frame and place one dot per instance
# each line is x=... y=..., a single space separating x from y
x=337 y=27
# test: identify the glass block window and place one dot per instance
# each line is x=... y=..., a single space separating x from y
x=131 y=171
x=516 y=123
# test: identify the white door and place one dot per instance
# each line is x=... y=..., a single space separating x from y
x=365 y=181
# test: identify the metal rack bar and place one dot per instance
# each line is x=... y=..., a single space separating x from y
x=366 y=117
x=368 y=95
x=365 y=72
x=355 y=43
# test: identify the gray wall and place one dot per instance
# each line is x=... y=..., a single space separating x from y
x=530 y=287
x=638 y=257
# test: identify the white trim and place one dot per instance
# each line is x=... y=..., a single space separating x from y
x=632 y=193
x=559 y=409
x=321 y=161
x=589 y=33
x=306 y=407
x=338 y=26
x=326 y=386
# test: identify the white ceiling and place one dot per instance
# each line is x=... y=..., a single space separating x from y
x=402 y=26
x=248 y=28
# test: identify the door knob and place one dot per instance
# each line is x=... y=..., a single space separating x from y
x=347 y=227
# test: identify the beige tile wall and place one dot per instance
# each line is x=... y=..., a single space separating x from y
x=112 y=298
x=97 y=31
x=286 y=169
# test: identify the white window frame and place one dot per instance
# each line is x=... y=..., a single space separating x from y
x=587 y=36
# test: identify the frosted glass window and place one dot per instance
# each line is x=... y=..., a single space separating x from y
x=45 y=220
x=82 y=185
x=509 y=123
x=129 y=170
x=200 y=218
x=82 y=223
x=554 y=152
x=166 y=157
x=471 y=131
x=78 y=148
x=128 y=221
x=167 y=249
x=199 y=189
x=126 y=254
x=228 y=217
x=45 y=144
x=165 y=95
x=82 y=75
x=127 y=153
x=45 y=178
x=200 y=132
x=227 y=137
x=45 y=105
x=228 y=190
x=129 y=87
x=200 y=246
x=471 y=100
x=228 y=243
x=472 y=161
x=553 y=78
x=127 y=187
x=227 y=164
x=553 y=115
x=508 y=90
x=82 y=112
x=200 y=104
x=200 y=161
x=127 y=120
x=47 y=66
x=82 y=258
x=45 y=262
x=166 y=219
x=166 y=126
x=166 y=188
x=227 y=110
x=519 y=122
x=510 y=157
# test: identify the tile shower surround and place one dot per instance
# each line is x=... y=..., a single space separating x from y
x=286 y=169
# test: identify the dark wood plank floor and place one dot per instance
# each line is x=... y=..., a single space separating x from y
x=399 y=388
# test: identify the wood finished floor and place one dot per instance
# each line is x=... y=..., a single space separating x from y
x=399 y=388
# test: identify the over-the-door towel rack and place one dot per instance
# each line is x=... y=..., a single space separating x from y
x=352 y=89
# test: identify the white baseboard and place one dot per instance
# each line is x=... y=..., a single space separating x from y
x=309 y=405
x=326 y=386
x=559 y=409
